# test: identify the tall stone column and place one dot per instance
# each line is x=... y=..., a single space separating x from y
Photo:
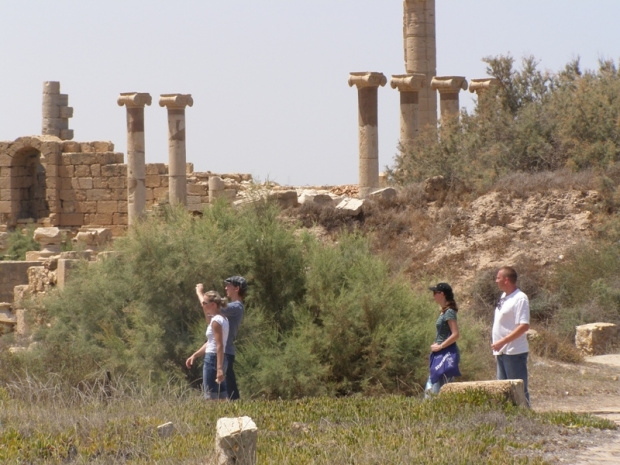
x=449 y=88
x=136 y=163
x=56 y=112
x=409 y=86
x=367 y=84
x=421 y=52
x=176 y=103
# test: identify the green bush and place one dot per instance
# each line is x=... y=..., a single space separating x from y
x=531 y=122
x=19 y=242
x=320 y=319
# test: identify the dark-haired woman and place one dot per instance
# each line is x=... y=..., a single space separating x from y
x=447 y=331
x=213 y=350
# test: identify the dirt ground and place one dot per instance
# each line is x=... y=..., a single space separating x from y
x=589 y=387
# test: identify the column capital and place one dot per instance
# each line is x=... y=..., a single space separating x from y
x=408 y=82
x=367 y=79
x=449 y=84
x=176 y=101
x=478 y=85
x=134 y=99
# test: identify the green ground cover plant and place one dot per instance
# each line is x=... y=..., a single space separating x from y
x=119 y=426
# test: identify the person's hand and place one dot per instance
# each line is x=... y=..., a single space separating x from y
x=220 y=376
x=435 y=347
x=199 y=288
x=189 y=362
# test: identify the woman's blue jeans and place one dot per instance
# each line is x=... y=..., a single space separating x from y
x=433 y=388
x=212 y=389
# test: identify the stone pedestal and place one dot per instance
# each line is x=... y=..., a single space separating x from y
x=367 y=84
x=449 y=88
x=421 y=52
x=176 y=103
x=235 y=443
x=409 y=86
x=50 y=240
x=136 y=164
x=56 y=112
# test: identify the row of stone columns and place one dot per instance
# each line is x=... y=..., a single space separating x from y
x=136 y=163
x=410 y=87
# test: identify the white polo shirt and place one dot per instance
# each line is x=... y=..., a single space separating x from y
x=511 y=311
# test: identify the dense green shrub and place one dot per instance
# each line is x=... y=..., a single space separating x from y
x=532 y=122
x=320 y=319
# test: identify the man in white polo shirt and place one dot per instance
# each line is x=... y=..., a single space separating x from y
x=510 y=325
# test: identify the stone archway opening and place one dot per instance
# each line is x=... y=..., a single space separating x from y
x=28 y=186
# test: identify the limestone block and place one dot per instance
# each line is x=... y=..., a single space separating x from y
x=93 y=239
x=107 y=206
x=286 y=199
x=314 y=197
x=119 y=219
x=352 y=207
x=197 y=189
x=8 y=320
x=235 y=442
x=152 y=180
x=85 y=183
x=166 y=430
x=21 y=322
x=510 y=389
x=71 y=219
x=40 y=279
x=387 y=193
x=19 y=294
x=596 y=338
x=82 y=170
x=64 y=270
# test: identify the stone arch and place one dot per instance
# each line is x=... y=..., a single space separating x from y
x=27 y=162
x=28 y=185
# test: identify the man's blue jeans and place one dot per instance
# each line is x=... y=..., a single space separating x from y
x=514 y=367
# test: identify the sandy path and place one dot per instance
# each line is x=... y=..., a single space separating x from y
x=609 y=408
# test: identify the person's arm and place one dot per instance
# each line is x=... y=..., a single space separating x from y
x=219 y=342
x=516 y=333
x=454 y=329
x=199 y=353
x=200 y=292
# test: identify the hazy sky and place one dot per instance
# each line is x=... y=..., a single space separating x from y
x=268 y=78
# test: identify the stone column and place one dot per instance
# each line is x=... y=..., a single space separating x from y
x=176 y=103
x=449 y=88
x=136 y=163
x=421 y=52
x=56 y=112
x=409 y=86
x=480 y=87
x=367 y=84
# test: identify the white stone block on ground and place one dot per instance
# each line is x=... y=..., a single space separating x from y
x=235 y=443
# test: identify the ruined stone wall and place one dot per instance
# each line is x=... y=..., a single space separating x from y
x=13 y=273
x=92 y=186
x=74 y=184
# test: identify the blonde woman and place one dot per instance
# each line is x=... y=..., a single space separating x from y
x=213 y=350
